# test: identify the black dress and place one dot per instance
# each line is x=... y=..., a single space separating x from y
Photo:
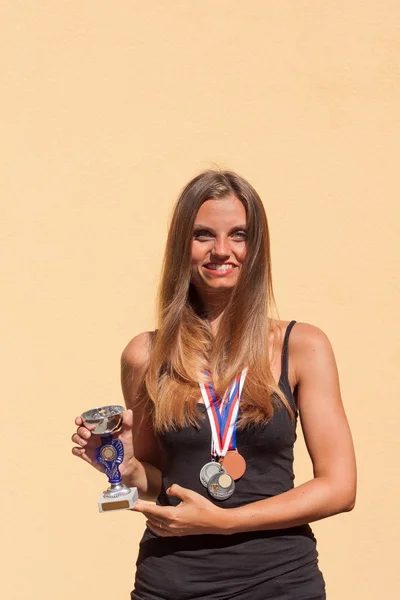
x=257 y=565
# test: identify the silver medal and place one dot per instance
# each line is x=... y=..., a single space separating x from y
x=221 y=486
x=210 y=469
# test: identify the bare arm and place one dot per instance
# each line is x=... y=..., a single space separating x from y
x=328 y=441
x=145 y=473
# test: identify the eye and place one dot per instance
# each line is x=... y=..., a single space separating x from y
x=202 y=234
x=241 y=235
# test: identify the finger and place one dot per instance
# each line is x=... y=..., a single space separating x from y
x=76 y=451
x=157 y=518
x=149 y=508
x=180 y=492
x=127 y=419
x=84 y=433
x=82 y=436
x=162 y=515
x=157 y=529
x=81 y=422
x=78 y=440
x=88 y=426
x=156 y=524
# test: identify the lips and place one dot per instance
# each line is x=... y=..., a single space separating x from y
x=224 y=267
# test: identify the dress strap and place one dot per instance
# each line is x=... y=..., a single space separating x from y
x=285 y=353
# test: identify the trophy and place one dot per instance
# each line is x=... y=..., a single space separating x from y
x=110 y=454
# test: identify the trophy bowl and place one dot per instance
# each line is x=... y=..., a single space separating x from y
x=107 y=419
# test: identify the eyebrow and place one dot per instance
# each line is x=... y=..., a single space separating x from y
x=198 y=227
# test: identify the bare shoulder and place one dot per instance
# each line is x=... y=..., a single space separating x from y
x=305 y=335
x=137 y=352
x=302 y=337
x=135 y=360
x=309 y=347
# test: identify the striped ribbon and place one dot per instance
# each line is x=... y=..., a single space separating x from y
x=223 y=413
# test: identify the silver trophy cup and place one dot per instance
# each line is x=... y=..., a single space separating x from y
x=110 y=454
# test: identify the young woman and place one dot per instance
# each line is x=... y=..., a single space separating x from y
x=213 y=398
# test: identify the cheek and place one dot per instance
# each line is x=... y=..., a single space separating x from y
x=194 y=256
x=195 y=262
x=241 y=253
x=198 y=253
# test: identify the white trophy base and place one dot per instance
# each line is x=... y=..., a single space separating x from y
x=120 y=503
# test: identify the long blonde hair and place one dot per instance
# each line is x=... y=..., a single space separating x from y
x=184 y=345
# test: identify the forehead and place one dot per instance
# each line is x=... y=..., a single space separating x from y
x=221 y=211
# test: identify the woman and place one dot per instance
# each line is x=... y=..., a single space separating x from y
x=213 y=398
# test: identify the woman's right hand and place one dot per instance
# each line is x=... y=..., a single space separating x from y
x=87 y=443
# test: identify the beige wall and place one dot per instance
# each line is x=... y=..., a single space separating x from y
x=108 y=108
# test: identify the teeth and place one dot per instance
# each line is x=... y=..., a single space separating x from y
x=214 y=267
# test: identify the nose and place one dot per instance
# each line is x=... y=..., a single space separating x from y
x=221 y=247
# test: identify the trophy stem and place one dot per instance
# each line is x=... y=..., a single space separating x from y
x=116 y=490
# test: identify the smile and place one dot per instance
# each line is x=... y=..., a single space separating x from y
x=218 y=268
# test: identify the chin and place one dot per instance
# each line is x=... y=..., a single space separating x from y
x=214 y=283
x=220 y=285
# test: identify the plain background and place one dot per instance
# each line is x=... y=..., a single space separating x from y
x=107 y=110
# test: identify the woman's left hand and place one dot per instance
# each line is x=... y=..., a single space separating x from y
x=194 y=515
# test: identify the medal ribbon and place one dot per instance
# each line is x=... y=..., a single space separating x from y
x=223 y=413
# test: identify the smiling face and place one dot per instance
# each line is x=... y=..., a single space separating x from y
x=218 y=245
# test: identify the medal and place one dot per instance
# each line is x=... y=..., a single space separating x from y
x=221 y=486
x=227 y=464
x=234 y=464
x=209 y=470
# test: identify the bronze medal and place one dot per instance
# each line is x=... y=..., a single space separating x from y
x=234 y=464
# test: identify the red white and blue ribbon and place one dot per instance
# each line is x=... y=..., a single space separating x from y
x=223 y=413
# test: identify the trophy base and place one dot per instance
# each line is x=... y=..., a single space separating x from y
x=122 y=502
